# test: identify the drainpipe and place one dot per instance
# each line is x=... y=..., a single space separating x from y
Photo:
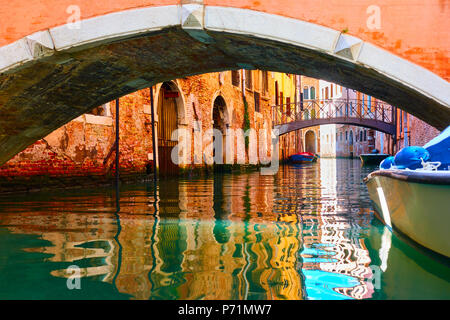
x=154 y=146
x=243 y=82
x=405 y=129
x=117 y=142
x=346 y=103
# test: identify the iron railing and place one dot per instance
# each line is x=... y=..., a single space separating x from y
x=333 y=108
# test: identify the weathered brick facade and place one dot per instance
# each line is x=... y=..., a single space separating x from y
x=418 y=133
x=83 y=151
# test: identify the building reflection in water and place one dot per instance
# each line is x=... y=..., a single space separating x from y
x=242 y=236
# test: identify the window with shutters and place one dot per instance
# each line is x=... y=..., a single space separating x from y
x=281 y=102
x=305 y=93
x=265 y=82
x=288 y=106
x=235 y=78
x=312 y=93
x=257 y=100
x=248 y=80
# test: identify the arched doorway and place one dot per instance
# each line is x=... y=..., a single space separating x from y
x=167 y=123
x=310 y=141
x=219 y=122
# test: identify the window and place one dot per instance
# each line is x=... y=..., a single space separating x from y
x=365 y=135
x=281 y=102
x=257 y=99
x=265 y=82
x=305 y=93
x=102 y=110
x=312 y=93
x=346 y=135
x=248 y=79
x=326 y=93
x=341 y=135
x=360 y=136
x=276 y=92
x=288 y=106
x=235 y=78
x=331 y=91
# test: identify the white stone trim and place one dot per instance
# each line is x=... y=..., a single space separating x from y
x=269 y=26
x=412 y=75
x=128 y=23
x=115 y=25
x=100 y=120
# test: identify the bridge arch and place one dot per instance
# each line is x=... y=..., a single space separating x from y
x=59 y=72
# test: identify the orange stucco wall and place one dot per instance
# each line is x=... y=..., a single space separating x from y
x=416 y=30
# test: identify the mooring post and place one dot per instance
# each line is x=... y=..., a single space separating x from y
x=155 y=153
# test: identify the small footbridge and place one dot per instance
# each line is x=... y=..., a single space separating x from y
x=376 y=114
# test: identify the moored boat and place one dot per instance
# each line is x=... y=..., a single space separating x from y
x=303 y=157
x=372 y=158
x=411 y=192
x=415 y=202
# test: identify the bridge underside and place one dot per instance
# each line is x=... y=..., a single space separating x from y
x=362 y=122
x=40 y=96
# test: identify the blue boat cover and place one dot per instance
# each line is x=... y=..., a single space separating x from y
x=439 y=149
x=411 y=157
x=387 y=163
x=436 y=150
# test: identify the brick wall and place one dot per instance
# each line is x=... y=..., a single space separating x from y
x=82 y=151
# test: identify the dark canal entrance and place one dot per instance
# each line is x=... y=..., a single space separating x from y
x=307 y=233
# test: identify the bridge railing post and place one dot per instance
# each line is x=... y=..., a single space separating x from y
x=375 y=110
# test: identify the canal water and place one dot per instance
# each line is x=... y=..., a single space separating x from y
x=308 y=232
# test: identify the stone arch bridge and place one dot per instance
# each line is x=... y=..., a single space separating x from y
x=61 y=58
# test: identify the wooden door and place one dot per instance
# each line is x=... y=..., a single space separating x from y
x=167 y=123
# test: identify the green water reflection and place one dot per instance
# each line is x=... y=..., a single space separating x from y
x=307 y=233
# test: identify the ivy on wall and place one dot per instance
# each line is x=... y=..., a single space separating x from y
x=246 y=122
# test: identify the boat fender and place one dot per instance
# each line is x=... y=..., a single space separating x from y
x=411 y=157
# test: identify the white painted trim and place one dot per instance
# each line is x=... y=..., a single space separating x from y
x=128 y=23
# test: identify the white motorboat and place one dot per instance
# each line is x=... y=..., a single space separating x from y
x=416 y=202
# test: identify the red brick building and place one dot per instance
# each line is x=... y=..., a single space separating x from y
x=83 y=151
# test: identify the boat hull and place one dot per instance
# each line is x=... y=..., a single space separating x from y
x=372 y=159
x=299 y=158
x=416 y=203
